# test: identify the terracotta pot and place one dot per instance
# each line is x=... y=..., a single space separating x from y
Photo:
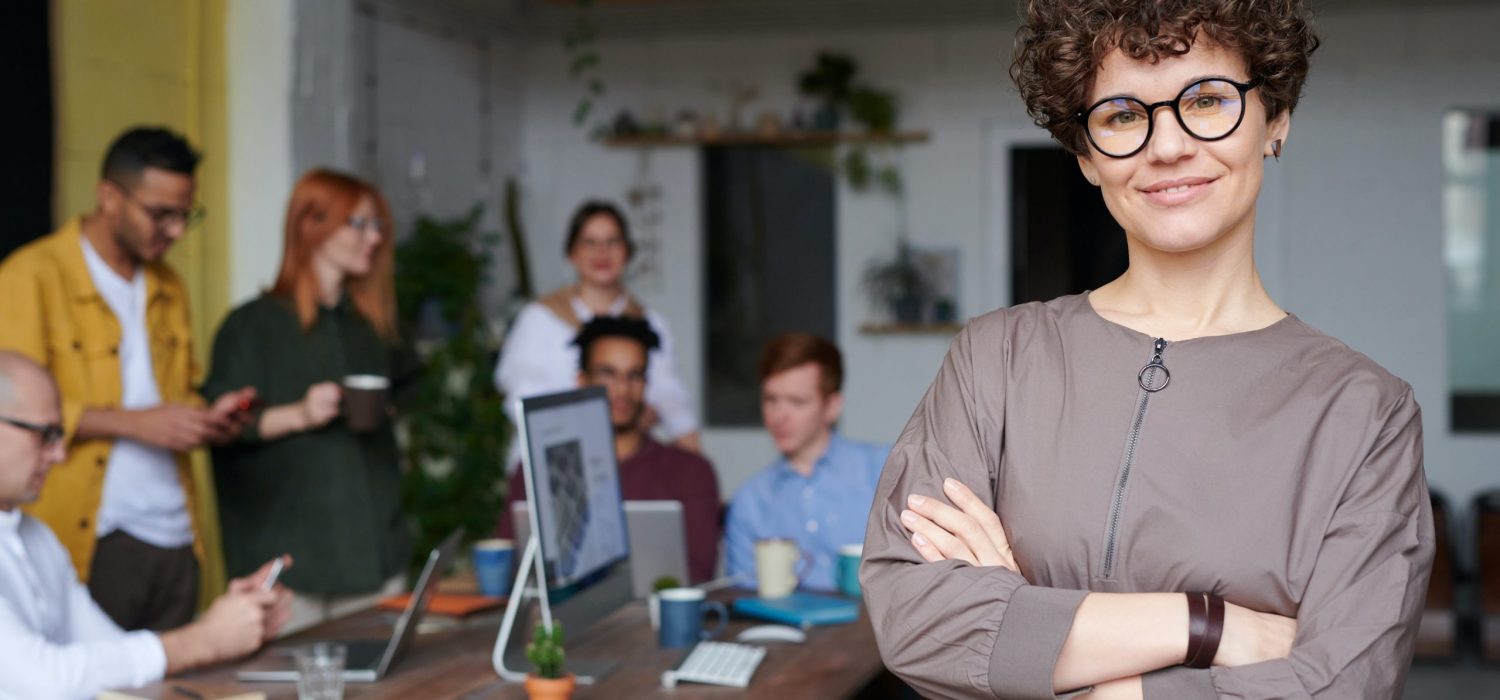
x=550 y=688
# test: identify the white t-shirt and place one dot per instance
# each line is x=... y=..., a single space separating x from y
x=55 y=642
x=142 y=493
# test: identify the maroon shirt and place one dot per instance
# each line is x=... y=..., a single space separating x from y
x=658 y=472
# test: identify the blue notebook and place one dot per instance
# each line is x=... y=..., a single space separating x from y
x=800 y=609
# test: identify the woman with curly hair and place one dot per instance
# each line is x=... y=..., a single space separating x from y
x=1168 y=486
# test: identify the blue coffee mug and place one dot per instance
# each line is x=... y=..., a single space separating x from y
x=848 y=571
x=681 y=613
x=492 y=563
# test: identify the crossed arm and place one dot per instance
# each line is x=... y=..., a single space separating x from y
x=1115 y=637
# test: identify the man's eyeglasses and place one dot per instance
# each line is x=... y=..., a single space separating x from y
x=51 y=433
x=1208 y=110
x=606 y=375
x=162 y=217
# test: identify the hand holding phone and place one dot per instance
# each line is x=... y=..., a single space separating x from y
x=276 y=567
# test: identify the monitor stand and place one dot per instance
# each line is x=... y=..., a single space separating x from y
x=576 y=614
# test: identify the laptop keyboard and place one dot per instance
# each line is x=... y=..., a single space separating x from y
x=364 y=654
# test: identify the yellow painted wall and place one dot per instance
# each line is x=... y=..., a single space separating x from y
x=121 y=63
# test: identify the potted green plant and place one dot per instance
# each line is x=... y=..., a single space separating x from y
x=547 y=680
x=900 y=285
x=829 y=81
x=875 y=109
x=455 y=434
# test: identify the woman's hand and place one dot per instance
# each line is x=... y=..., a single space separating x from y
x=321 y=404
x=968 y=530
x=1251 y=637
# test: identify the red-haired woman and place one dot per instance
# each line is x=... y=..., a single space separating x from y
x=299 y=479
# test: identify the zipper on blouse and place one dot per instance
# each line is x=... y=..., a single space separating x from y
x=1152 y=378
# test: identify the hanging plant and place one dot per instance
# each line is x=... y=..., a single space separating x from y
x=584 y=61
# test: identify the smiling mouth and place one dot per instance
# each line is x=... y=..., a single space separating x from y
x=1177 y=192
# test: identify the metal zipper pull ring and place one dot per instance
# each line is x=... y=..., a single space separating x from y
x=1153 y=369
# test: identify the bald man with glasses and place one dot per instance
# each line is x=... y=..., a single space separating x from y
x=55 y=641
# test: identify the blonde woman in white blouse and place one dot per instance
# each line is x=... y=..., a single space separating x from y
x=539 y=356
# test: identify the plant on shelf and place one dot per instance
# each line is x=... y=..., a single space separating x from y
x=454 y=437
x=900 y=285
x=874 y=109
x=547 y=680
x=831 y=81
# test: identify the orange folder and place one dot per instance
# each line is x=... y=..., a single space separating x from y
x=451 y=604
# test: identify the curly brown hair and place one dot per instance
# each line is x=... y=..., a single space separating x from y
x=1061 y=44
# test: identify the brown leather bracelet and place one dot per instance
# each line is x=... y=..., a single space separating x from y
x=1197 y=626
x=1213 y=633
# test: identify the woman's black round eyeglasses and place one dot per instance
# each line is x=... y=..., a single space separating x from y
x=1208 y=110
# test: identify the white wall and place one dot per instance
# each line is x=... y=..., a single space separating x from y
x=1359 y=223
x=259 y=75
x=1350 y=232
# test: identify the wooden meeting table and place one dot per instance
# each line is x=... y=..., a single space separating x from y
x=836 y=661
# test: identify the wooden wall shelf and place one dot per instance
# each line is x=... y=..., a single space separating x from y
x=911 y=328
x=790 y=138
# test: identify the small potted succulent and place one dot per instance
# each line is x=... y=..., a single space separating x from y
x=547 y=680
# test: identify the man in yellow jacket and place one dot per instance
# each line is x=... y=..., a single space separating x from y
x=95 y=304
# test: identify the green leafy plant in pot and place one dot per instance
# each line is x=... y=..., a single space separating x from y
x=547 y=680
x=900 y=285
x=829 y=80
x=455 y=435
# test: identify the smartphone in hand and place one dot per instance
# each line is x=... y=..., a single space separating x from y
x=276 y=567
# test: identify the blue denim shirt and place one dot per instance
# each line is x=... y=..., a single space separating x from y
x=820 y=513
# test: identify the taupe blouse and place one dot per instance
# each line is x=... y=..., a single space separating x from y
x=1277 y=468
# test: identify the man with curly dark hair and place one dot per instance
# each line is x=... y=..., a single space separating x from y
x=1168 y=486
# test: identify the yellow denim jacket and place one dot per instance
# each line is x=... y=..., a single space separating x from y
x=51 y=312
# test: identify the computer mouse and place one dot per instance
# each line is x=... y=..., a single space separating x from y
x=772 y=633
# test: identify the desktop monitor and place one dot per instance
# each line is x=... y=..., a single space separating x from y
x=572 y=476
x=578 y=523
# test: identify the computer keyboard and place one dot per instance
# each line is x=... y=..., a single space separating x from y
x=717 y=663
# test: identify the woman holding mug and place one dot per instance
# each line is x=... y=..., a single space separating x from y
x=313 y=474
x=1169 y=486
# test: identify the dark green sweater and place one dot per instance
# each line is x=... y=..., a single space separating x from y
x=329 y=497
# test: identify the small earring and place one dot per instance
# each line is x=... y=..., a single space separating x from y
x=1092 y=181
x=1276 y=149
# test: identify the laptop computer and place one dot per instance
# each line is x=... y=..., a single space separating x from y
x=653 y=527
x=368 y=660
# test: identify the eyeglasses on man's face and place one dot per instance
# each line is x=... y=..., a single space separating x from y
x=610 y=375
x=1208 y=110
x=164 y=217
x=51 y=433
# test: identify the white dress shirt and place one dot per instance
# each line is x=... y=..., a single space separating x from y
x=55 y=642
x=142 y=492
x=539 y=358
